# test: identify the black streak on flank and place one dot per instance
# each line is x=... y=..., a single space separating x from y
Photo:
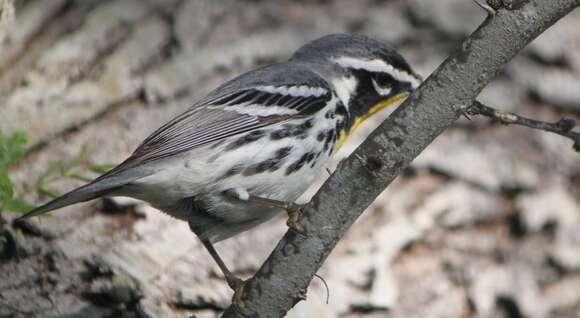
x=246 y=139
x=232 y=171
x=328 y=143
x=308 y=124
x=301 y=131
x=310 y=157
x=297 y=165
x=283 y=152
x=332 y=143
x=280 y=134
x=315 y=160
x=298 y=131
x=271 y=164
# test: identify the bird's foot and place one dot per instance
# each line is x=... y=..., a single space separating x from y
x=237 y=285
x=294 y=212
x=233 y=281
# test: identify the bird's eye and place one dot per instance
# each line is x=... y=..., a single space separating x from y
x=383 y=84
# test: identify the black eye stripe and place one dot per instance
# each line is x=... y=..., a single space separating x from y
x=384 y=79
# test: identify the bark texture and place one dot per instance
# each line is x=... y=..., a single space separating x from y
x=485 y=222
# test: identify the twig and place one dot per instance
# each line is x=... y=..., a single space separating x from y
x=282 y=279
x=486 y=7
x=325 y=286
x=562 y=127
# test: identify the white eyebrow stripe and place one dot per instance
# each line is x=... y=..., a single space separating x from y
x=378 y=66
x=302 y=90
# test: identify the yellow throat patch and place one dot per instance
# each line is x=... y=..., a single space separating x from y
x=359 y=120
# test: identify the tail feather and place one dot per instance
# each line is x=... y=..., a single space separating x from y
x=82 y=194
x=98 y=188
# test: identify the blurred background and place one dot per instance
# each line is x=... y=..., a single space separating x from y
x=485 y=223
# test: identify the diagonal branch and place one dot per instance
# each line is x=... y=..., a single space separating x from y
x=283 y=278
x=562 y=127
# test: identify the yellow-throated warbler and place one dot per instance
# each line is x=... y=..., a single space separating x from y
x=251 y=147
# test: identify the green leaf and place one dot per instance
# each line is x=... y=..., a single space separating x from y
x=16 y=146
x=18 y=205
x=12 y=149
x=3 y=149
x=100 y=168
x=6 y=189
x=50 y=171
x=44 y=191
x=80 y=156
x=77 y=176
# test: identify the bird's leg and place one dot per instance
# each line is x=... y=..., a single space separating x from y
x=233 y=281
x=294 y=210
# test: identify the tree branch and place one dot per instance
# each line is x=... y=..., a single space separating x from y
x=286 y=274
x=562 y=127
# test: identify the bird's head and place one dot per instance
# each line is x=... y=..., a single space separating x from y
x=367 y=74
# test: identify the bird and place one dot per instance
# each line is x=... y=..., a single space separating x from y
x=249 y=149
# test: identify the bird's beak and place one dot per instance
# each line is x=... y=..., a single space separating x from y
x=393 y=100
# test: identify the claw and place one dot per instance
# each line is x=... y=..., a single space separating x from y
x=302 y=295
x=294 y=213
x=238 y=286
x=234 y=282
x=464 y=110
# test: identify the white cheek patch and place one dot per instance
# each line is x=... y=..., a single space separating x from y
x=344 y=88
x=379 y=66
x=383 y=91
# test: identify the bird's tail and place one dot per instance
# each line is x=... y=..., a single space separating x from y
x=82 y=194
x=106 y=184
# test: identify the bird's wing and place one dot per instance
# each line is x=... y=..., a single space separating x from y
x=228 y=114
